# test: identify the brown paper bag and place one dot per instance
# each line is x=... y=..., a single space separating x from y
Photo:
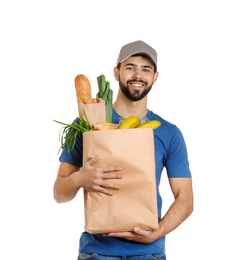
x=135 y=204
x=95 y=112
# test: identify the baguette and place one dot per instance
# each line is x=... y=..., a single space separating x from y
x=83 y=89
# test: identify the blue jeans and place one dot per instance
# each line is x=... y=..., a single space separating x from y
x=95 y=256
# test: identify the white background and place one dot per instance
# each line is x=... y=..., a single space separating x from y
x=202 y=60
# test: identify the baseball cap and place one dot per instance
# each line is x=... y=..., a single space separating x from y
x=135 y=48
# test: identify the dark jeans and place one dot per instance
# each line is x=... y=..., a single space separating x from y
x=95 y=256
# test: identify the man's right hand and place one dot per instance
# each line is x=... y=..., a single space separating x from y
x=94 y=178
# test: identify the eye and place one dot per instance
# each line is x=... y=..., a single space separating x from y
x=146 y=70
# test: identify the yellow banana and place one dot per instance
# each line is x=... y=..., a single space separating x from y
x=150 y=124
x=129 y=122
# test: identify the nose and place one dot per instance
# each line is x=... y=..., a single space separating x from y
x=137 y=75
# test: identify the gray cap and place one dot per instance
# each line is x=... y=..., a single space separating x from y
x=135 y=48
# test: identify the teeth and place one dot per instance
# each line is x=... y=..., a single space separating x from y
x=136 y=85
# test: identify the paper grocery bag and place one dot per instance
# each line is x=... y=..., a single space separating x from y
x=95 y=112
x=135 y=204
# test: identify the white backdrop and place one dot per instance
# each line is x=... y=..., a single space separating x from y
x=202 y=57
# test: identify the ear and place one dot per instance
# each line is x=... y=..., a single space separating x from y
x=156 y=74
x=116 y=73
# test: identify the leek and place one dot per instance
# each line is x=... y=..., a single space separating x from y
x=106 y=94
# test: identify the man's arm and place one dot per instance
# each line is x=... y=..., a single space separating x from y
x=178 y=212
x=181 y=208
x=71 y=178
x=65 y=188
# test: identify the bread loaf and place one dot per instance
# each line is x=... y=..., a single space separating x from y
x=83 y=89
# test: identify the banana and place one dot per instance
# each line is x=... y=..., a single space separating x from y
x=150 y=124
x=129 y=122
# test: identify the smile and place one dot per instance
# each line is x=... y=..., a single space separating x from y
x=136 y=85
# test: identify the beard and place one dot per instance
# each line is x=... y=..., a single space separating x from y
x=137 y=94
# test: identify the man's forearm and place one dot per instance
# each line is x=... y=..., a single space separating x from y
x=179 y=211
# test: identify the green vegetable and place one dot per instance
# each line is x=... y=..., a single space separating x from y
x=69 y=132
x=106 y=94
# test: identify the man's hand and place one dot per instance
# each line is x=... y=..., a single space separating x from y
x=93 y=178
x=138 y=235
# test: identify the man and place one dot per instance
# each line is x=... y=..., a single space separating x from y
x=136 y=72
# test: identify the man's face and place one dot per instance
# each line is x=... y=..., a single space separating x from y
x=136 y=77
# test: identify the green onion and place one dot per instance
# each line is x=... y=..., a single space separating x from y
x=69 y=132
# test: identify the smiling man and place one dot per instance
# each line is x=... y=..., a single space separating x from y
x=136 y=72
